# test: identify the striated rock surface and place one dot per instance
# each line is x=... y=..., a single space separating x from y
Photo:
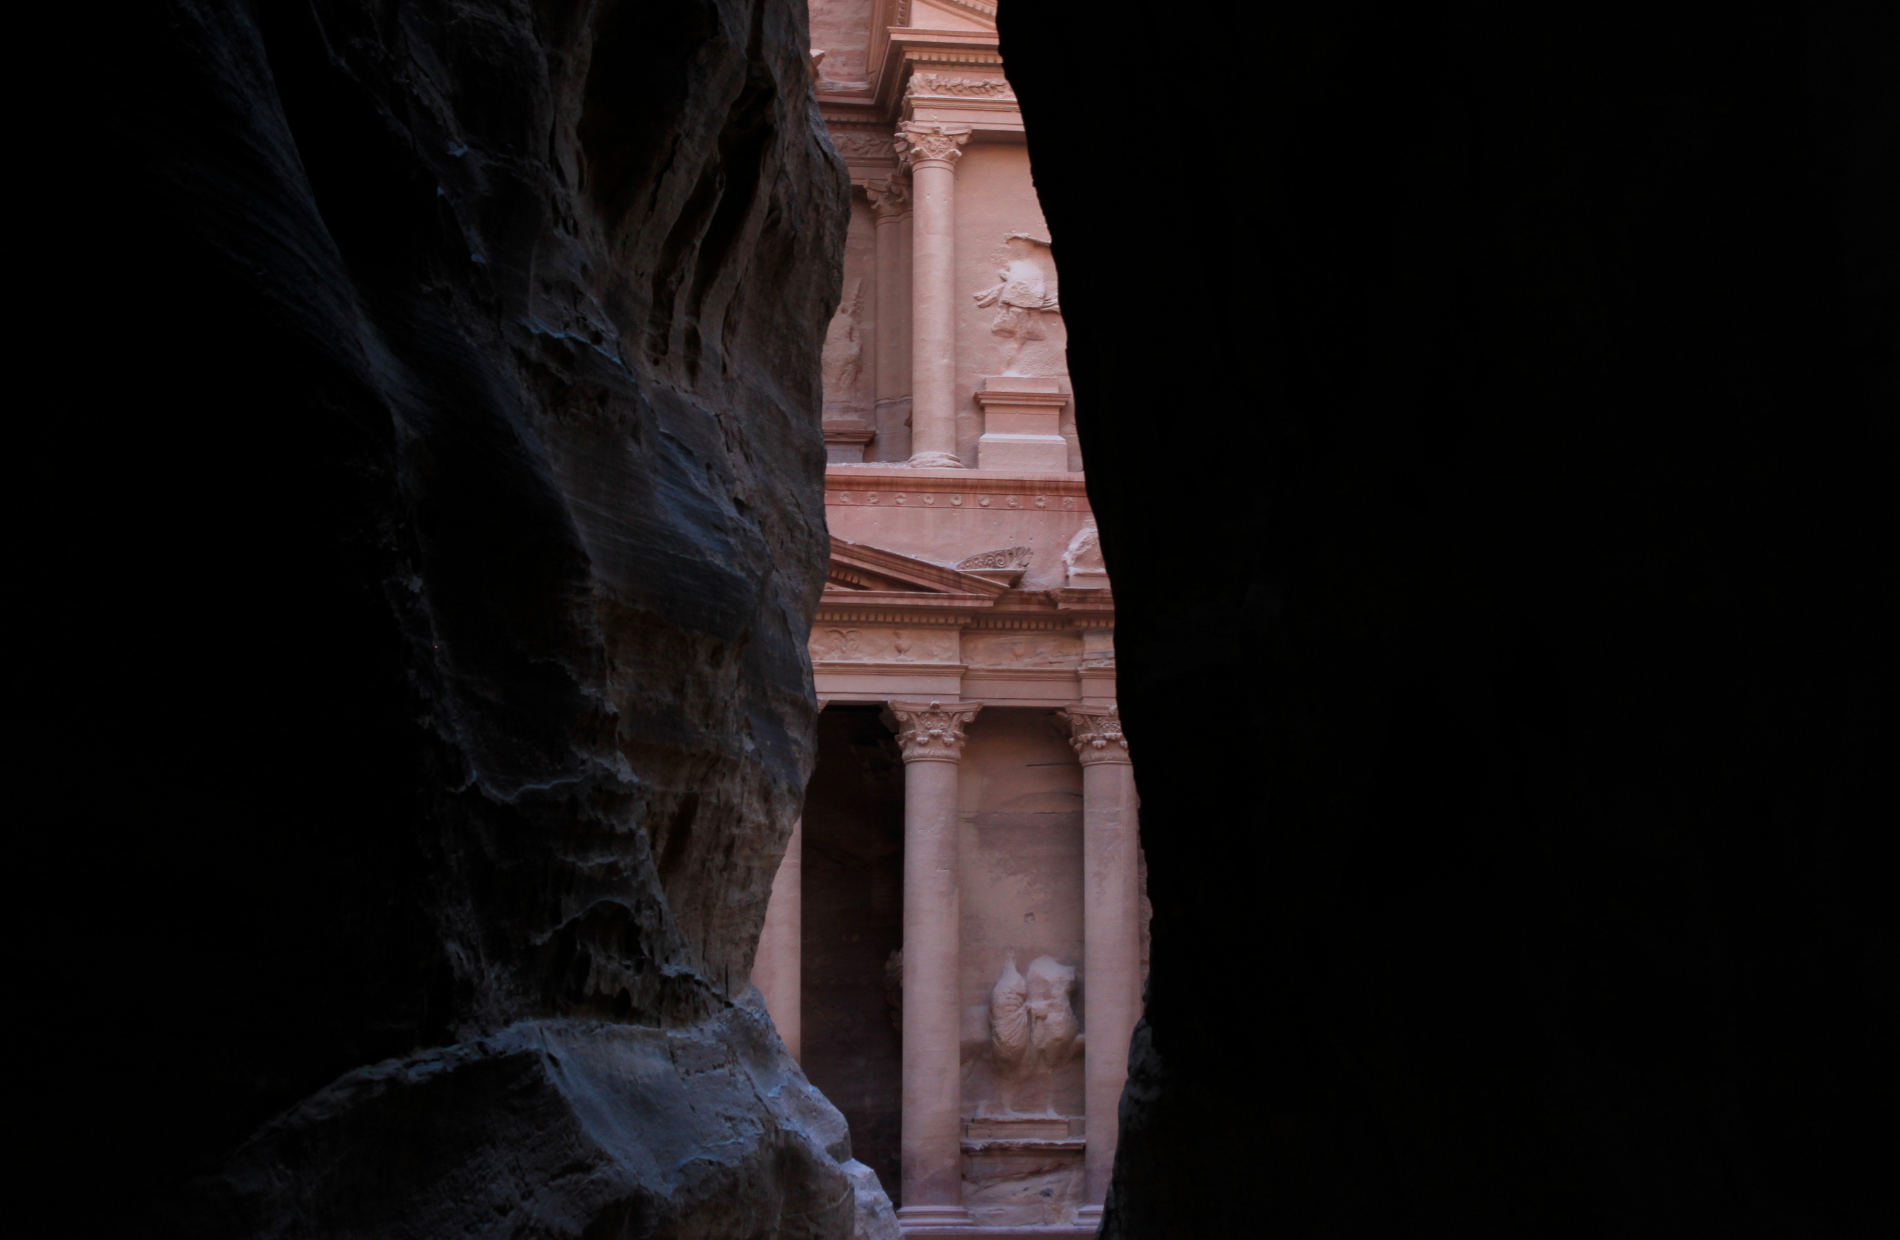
x=458 y=461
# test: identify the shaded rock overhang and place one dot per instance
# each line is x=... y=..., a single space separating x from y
x=1513 y=777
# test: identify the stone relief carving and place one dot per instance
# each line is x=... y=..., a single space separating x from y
x=896 y=645
x=1022 y=650
x=1082 y=562
x=1096 y=734
x=968 y=88
x=917 y=140
x=1033 y=1031
x=935 y=731
x=1025 y=291
x=1008 y=557
x=843 y=356
x=862 y=146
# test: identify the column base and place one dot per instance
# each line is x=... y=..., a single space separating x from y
x=925 y=1218
x=934 y=460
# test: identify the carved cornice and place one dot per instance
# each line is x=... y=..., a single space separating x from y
x=890 y=198
x=1096 y=734
x=933 y=733
x=899 y=486
x=919 y=141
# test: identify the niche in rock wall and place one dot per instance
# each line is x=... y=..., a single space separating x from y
x=853 y=896
x=1022 y=970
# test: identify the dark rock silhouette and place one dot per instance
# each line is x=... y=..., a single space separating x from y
x=448 y=512
x=1504 y=583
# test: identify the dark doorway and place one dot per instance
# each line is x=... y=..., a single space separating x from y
x=853 y=923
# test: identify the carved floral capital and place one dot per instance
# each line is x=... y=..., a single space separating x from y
x=1096 y=734
x=934 y=732
x=890 y=198
x=920 y=140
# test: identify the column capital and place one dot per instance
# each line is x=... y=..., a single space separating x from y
x=933 y=732
x=1096 y=733
x=922 y=141
x=890 y=198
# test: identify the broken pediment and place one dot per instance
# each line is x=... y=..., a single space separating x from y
x=858 y=567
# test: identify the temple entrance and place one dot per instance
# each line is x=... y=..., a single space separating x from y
x=853 y=897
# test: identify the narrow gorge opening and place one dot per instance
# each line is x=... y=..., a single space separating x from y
x=1256 y=620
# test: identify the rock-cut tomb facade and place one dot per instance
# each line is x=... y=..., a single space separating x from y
x=955 y=946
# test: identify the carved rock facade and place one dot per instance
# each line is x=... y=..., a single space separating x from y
x=965 y=609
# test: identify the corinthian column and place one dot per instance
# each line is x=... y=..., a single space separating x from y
x=930 y=152
x=890 y=207
x=931 y=738
x=776 y=967
x=1111 y=933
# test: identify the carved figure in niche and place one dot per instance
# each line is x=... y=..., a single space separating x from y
x=1033 y=1032
x=844 y=354
x=1025 y=290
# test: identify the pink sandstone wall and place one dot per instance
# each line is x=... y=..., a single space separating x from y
x=842 y=30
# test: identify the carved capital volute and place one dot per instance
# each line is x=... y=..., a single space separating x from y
x=890 y=198
x=1096 y=733
x=920 y=141
x=933 y=733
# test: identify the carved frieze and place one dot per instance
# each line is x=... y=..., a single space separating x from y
x=959 y=87
x=862 y=146
x=1096 y=734
x=934 y=732
x=1029 y=649
x=920 y=140
x=863 y=644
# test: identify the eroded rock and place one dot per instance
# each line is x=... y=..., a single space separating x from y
x=483 y=512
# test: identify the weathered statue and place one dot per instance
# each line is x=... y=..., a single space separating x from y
x=1033 y=1032
x=843 y=356
x=1024 y=291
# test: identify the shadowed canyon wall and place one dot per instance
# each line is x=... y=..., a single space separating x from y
x=454 y=534
x=1503 y=486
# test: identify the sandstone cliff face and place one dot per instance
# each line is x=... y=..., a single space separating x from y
x=478 y=481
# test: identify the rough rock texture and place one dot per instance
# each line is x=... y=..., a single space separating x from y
x=457 y=459
x=632 y=1130
x=1528 y=581
x=876 y=1220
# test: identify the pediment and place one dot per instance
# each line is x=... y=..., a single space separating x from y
x=859 y=567
x=952 y=15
